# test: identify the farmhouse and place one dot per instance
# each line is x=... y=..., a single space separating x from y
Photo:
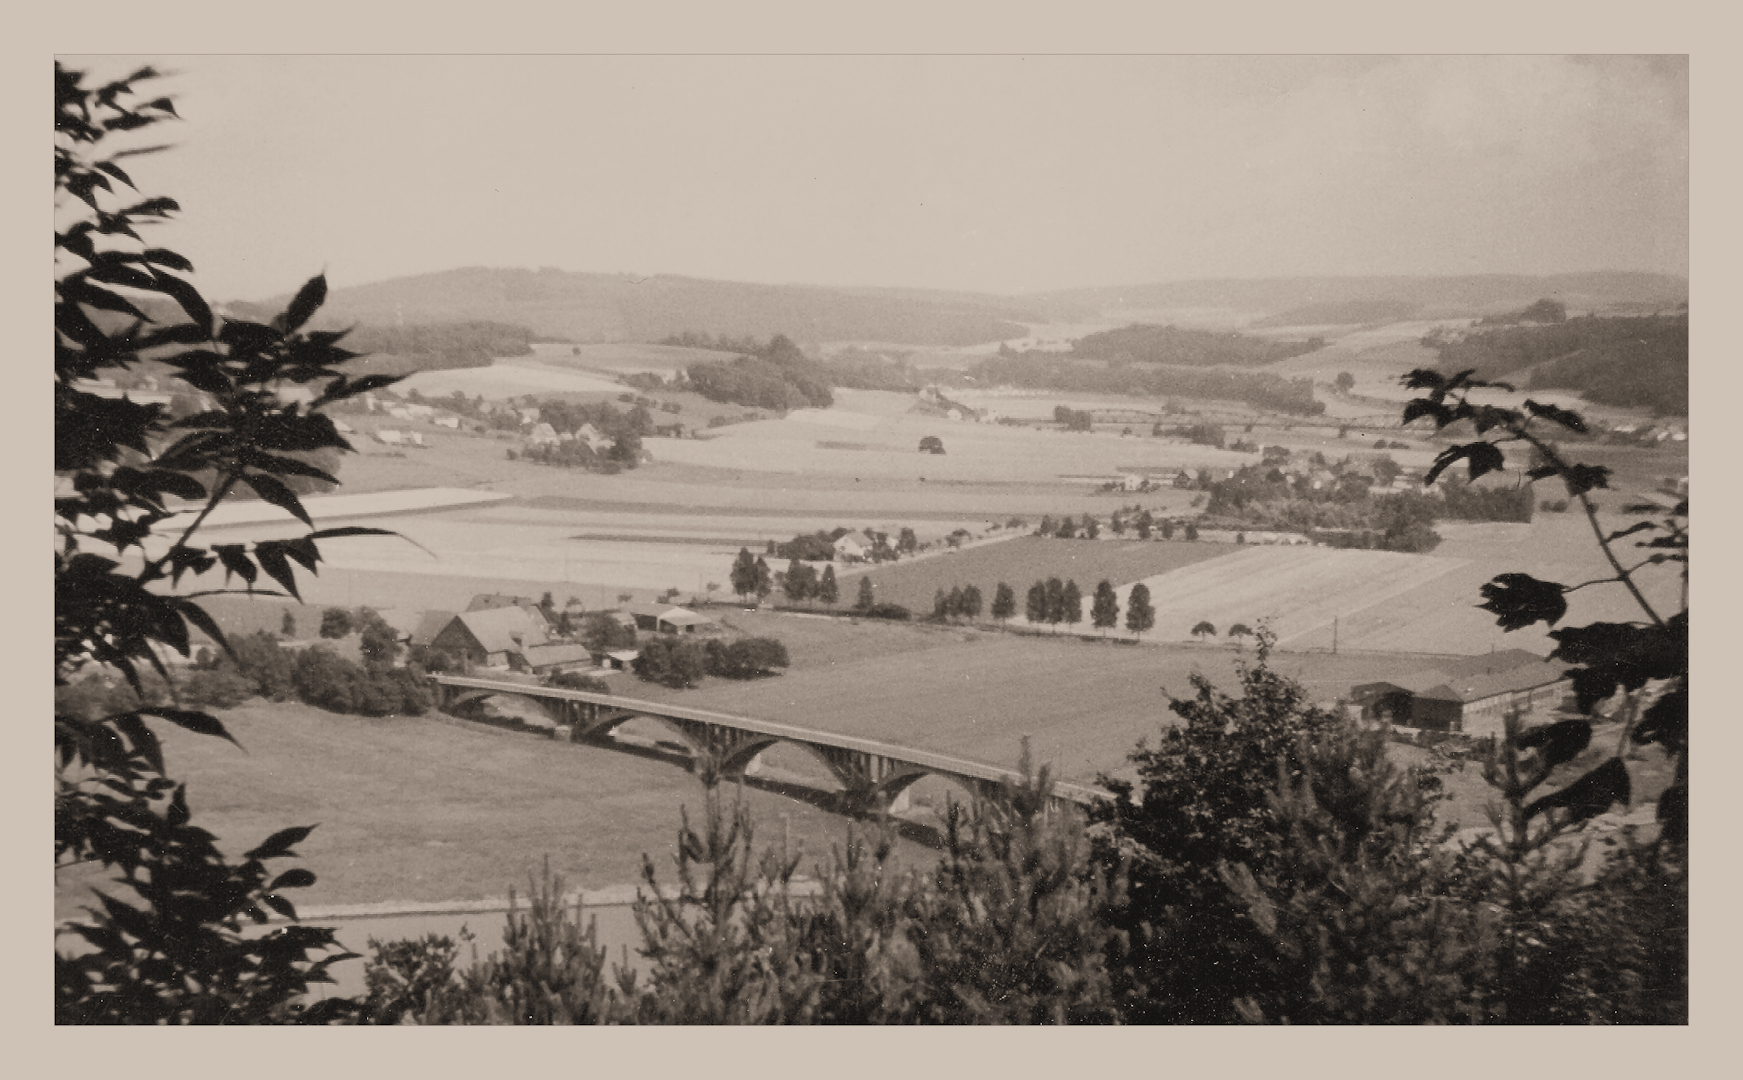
x=429 y=625
x=556 y=656
x=488 y=638
x=492 y=601
x=390 y=437
x=671 y=620
x=848 y=549
x=1470 y=696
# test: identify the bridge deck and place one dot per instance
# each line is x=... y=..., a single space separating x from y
x=925 y=759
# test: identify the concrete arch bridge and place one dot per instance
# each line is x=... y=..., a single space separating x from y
x=875 y=776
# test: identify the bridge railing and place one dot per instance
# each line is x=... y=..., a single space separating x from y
x=932 y=762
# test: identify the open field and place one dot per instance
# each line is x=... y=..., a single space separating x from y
x=1441 y=615
x=505 y=379
x=415 y=809
x=1025 y=560
x=625 y=358
x=977 y=693
x=1293 y=590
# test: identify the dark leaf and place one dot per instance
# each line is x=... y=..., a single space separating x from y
x=274 y=491
x=1590 y=795
x=270 y=554
x=189 y=298
x=1423 y=379
x=296 y=878
x=1557 y=743
x=1420 y=407
x=1665 y=721
x=1638 y=526
x=1569 y=420
x=1519 y=600
x=197 y=722
x=196 y=614
x=280 y=905
x=178 y=813
x=1485 y=457
x=349 y=530
x=1583 y=478
x=168 y=259
x=280 y=843
x=308 y=300
x=1673 y=813
x=236 y=561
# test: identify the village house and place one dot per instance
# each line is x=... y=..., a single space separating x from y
x=848 y=549
x=542 y=435
x=666 y=619
x=390 y=437
x=1471 y=696
x=489 y=638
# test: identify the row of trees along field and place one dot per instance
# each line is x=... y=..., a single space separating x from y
x=1263 y=861
x=1136 y=520
x=1612 y=360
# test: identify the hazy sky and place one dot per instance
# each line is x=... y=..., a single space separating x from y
x=998 y=173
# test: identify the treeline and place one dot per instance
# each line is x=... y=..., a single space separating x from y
x=777 y=376
x=444 y=345
x=1627 y=361
x=681 y=662
x=258 y=665
x=1150 y=344
x=1035 y=370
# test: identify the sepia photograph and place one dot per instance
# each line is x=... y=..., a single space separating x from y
x=863 y=539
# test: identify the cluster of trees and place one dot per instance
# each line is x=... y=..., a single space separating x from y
x=1147 y=343
x=691 y=339
x=1038 y=370
x=1136 y=519
x=866 y=604
x=1204 y=433
x=428 y=346
x=776 y=376
x=681 y=662
x=1625 y=361
x=625 y=452
x=1073 y=419
x=801 y=582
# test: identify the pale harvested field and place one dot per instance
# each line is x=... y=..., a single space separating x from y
x=977 y=693
x=625 y=357
x=1294 y=590
x=505 y=379
x=1441 y=615
x=1025 y=560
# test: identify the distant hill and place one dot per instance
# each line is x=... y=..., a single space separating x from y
x=1466 y=296
x=614 y=307
x=584 y=307
x=1617 y=360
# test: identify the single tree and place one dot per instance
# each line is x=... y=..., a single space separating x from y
x=907 y=543
x=1117 y=523
x=744 y=574
x=1192 y=530
x=1345 y=382
x=1140 y=615
x=795 y=582
x=1004 y=603
x=1035 y=605
x=970 y=605
x=953 y=602
x=1167 y=528
x=1204 y=629
x=1071 y=604
x=1239 y=632
x=942 y=608
x=828 y=590
x=1055 y=603
x=335 y=623
x=711 y=588
x=764 y=580
x=1046 y=527
x=1104 y=612
x=548 y=605
x=1091 y=529
x=1066 y=529
x=287 y=627
x=864 y=600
